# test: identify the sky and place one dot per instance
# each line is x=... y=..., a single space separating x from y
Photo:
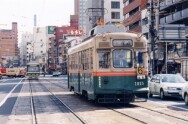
x=49 y=12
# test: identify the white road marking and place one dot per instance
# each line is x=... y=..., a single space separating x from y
x=169 y=105
x=5 y=99
x=4 y=80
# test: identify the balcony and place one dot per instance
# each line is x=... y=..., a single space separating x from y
x=169 y=18
x=163 y=20
x=185 y=13
x=186 y=32
x=131 y=6
x=168 y=3
x=177 y=16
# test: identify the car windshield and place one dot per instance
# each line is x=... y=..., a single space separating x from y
x=172 y=79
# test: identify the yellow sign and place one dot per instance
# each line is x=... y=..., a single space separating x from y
x=100 y=22
x=140 y=70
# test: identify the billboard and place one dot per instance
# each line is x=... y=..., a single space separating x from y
x=172 y=33
x=75 y=32
x=51 y=29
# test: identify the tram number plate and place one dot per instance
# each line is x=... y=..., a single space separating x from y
x=140 y=70
x=139 y=83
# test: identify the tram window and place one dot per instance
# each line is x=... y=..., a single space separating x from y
x=122 y=58
x=33 y=69
x=104 y=59
x=91 y=58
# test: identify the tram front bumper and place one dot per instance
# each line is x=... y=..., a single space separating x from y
x=123 y=96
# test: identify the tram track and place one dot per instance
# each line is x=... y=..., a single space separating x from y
x=127 y=115
x=106 y=107
x=186 y=120
x=56 y=84
x=34 y=118
x=147 y=109
x=56 y=98
x=130 y=116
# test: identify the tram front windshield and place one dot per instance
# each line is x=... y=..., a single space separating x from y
x=122 y=58
x=33 y=69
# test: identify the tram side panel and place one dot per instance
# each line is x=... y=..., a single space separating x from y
x=119 y=88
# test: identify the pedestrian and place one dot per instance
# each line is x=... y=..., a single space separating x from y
x=43 y=70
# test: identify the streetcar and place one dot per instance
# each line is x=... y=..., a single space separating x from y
x=33 y=70
x=110 y=67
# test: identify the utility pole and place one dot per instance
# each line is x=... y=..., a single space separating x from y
x=152 y=34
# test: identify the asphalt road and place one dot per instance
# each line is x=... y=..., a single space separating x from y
x=9 y=89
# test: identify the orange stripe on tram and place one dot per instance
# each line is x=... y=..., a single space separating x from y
x=115 y=73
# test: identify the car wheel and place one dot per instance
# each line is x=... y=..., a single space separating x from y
x=162 y=94
x=186 y=99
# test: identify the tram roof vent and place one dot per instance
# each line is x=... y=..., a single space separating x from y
x=105 y=29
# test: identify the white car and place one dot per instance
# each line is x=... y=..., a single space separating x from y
x=184 y=94
x=166 y=85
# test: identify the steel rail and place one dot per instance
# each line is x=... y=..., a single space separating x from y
x=162 y=113
x=77 y=116
x=126 y=115
x=34 y=118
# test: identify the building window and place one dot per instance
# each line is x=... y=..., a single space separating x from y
x=104 y=59
x=130 y=1
x=115 y=5
x=115 y=15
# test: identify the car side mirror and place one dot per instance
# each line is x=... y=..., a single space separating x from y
x=157 y=81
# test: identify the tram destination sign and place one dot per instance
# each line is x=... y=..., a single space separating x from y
x=122 y=43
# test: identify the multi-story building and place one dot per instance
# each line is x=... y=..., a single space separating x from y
x=41 y=38
x=27 y=38
x=59 y=43
x=114 y=11
x=9 y=46
x=82 y=14
x=76 y=7
x=74 y=21
x=29 y=51
x=145 y=22
x=174 y=12
x=95 y=11
x=132 y=14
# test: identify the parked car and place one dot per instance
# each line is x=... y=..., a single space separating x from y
x=166 y=85
x=184 y=94
x=56 y=74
